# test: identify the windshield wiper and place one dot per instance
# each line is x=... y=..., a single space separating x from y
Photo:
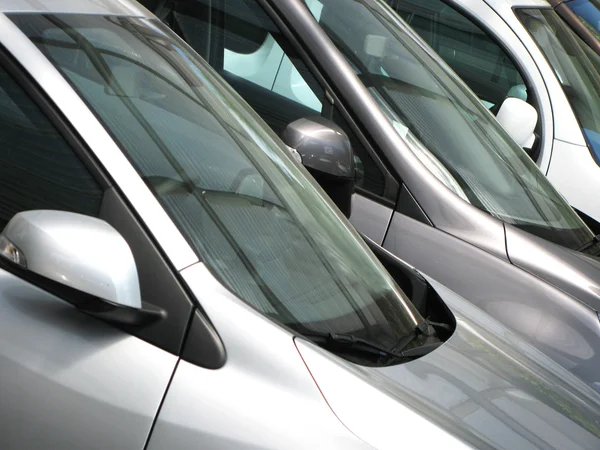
x=366 y=346
x=590 y=243
x=351 y=342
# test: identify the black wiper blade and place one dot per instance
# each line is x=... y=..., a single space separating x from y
x=587 y=245
x=353 y=342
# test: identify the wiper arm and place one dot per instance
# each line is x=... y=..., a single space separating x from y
x=352 y=342
x=587 y=245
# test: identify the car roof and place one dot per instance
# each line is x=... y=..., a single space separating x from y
x=108 y=7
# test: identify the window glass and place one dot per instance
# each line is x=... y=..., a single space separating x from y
x=445 y=125
x=38 y=169
x=253 y=215
x=576 y=66
x=465 y=47
x=248 y=49
x=241 y=41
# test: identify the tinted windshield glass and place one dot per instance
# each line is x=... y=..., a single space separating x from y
x=444 y=123
x=234 y=191
x=577 y=67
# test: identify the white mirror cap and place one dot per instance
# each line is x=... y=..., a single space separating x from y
x=78 y=251
x=519 y=119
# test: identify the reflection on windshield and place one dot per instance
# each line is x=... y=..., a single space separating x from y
x=576 y=66
x=249 y=211
x=444 y=123
x=589 y=13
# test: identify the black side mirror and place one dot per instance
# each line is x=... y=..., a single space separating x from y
x=327 y=154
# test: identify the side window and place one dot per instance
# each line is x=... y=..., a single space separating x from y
x=472 y=54
x=38 y=168
x=243 y=43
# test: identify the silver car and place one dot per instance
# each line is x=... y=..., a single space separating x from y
x=172 y=278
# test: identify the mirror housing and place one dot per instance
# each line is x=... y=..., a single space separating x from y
x=82 y=259
x=327 y=154
x=519 y=119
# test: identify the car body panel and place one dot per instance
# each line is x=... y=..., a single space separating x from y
x=370 y=218
x=262 y=398
x=561 y=326
x=484 y=385
x=571 y=271
x=70 y=381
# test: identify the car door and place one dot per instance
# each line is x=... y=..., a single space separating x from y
x=67 y=380
x=258 y=56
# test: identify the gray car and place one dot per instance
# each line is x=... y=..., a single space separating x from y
x=172 y=278
x=444 y=187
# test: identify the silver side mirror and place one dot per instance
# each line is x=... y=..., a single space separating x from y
x=79 y=258
x=326 y=152
x=519 y=119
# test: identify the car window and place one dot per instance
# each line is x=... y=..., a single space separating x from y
x=575 y=64
x=247 y=48
x=444 y=124
x=252 y=214
x=470 y=51
x=38 y=168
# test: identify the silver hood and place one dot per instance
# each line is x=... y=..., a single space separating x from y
x=485 y=387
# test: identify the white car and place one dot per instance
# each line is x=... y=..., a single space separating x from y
x=523 y=48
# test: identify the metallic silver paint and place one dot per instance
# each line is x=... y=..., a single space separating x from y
x=370 y=218
x=78 y=251
x=262 y=398
x=99 y=141
x=69 y=381
x=573 y=272
x=322 y=144
x=485 y=386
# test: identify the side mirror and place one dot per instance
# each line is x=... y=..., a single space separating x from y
x=519 y=119
x=327 y=154
x=79 y=258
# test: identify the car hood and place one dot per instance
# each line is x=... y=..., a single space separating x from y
x=573 y=272
x=485 y=387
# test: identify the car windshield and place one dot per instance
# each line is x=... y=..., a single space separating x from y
x=576 y=66
x=253 y=215
x=444 y=123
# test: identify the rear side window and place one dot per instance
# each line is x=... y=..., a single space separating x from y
x=465 y=47
x=38 y=168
